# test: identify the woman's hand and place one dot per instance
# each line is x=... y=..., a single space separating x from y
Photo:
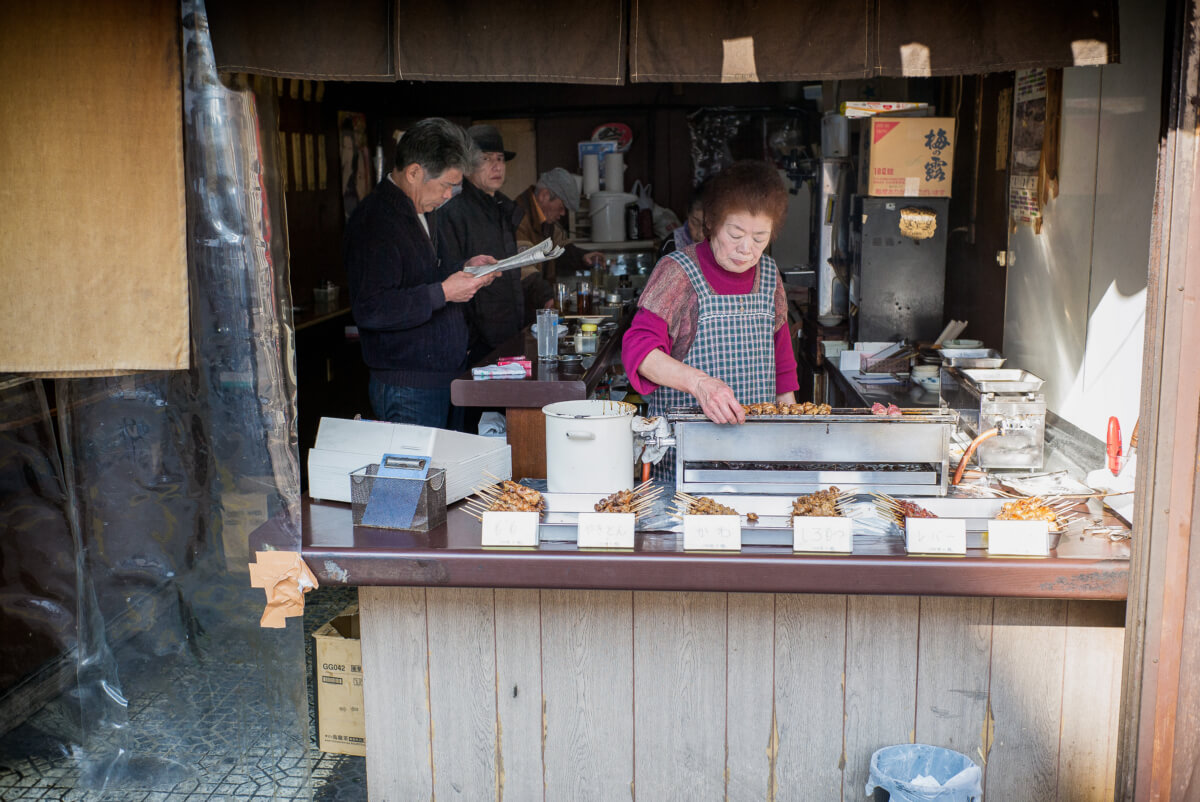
x=785 y=398
x=717 y=400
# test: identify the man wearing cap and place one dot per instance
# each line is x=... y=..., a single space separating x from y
x=482 y=219
x=544 y=205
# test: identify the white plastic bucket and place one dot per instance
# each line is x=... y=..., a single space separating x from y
x=608 y=215
x=589 y=446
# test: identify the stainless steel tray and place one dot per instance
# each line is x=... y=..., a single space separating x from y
x=972 y=358
x=1003 y=380
x=838 y=415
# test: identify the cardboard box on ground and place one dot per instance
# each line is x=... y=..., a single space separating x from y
x=909 y=157
x=338 y=669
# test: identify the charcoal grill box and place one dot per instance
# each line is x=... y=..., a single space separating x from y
x=337 y=669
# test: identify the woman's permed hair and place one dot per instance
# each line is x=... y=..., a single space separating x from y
x=749 y=187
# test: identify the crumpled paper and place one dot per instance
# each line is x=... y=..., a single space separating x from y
x=285 y=578
x=651 y=432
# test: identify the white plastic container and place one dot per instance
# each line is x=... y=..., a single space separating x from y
x=608 y=215
x=589 y=446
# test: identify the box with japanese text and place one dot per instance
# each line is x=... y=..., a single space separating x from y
x=337 y=666
x=910 y=157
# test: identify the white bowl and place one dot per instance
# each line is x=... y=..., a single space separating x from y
x=930 y=382
x=562 y=329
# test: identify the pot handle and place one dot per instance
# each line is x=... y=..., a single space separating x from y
x=581 y=435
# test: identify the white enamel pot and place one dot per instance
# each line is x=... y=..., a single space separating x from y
x=589 y=446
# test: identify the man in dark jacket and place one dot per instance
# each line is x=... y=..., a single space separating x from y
x=482 y=219
x=407 y=305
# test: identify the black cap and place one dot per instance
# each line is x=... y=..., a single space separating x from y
x=487 y=138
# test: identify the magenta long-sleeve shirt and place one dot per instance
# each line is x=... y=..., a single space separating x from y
x=651 y=331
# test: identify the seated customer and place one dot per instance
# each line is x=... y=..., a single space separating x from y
x=711 y=327
x=692 y=230
x=545 y=204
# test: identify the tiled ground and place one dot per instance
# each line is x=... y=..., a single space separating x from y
x=201 y=727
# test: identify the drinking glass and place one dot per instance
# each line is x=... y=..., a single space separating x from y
x=547 y=334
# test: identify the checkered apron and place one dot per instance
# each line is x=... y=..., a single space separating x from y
x=735 y=342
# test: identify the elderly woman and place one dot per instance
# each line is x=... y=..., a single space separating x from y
x=711 y=328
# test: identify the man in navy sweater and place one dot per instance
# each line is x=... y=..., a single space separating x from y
x=408 y=307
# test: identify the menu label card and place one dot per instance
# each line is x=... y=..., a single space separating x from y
x=712 y=532
x=935 y=535
x=1019 y=538
x=510 y=529
x=813 y=533
x=605 y=530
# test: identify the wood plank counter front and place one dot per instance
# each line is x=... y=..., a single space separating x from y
x=657 y=674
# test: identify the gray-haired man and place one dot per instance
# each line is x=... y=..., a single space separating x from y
x=408 y=308
x=544 y=205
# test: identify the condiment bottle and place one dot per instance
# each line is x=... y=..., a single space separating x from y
x=585 y=340
x=583 y=299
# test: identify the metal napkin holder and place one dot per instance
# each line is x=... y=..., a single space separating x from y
x=366 y=485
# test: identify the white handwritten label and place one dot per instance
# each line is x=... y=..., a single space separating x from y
x=510 y=529
x=935 y=535
x=712 y=532
x=1020 y=538
x=814 y=533
x=605 y=530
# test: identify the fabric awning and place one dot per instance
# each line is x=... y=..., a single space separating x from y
x=384 y=40
x=693 y=41
x=93 y=259
x=952 y=37
x=801 y=40
x=745 y=40
x=544 y=41
x=348 y=40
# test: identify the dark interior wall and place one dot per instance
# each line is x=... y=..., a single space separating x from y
x=975 y=283
x=563 y=114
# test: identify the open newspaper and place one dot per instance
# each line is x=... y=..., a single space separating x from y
x=544 y=251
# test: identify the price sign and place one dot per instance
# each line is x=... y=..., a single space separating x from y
x=519 y=529
x=606 y=530
x=1019 y=538
x=812 y=533
x=712 y=532
x=935 y=535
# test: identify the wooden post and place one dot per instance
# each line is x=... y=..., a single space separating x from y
x=1160 y=730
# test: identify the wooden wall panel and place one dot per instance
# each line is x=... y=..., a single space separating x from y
x=679 y=695
x=462 y=691
x=587 y=675
x=1028 y=646
x=1087 y=760
x=750 y=695
x=519 y=692
x=399 y=758
x=881 y=681
x=955 y=653
x=613 y=695
x=810 y=635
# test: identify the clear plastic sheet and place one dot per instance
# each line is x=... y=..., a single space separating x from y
x=134 y=660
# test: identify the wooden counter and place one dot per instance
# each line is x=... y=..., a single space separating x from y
x=523 y=399
x=339 y=553
x=507 y=672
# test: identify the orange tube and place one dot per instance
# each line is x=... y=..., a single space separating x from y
x=966 y=457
